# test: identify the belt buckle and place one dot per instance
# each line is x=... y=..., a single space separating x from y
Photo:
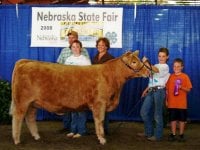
x=153 y=89
x=161 y=87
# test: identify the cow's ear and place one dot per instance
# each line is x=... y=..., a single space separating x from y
x=144 y=59
x=128 y=52
x=136 y=53
x=127 y=57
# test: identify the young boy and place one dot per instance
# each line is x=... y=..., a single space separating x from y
x=177 y=87
x=152 y=108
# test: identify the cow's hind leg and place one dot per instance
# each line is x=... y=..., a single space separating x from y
x=17 y=120
x=31 y=122
x=99 y=115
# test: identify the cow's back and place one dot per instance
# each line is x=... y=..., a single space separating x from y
x=50 y=85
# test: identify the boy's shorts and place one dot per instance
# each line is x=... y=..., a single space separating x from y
x=176 y=114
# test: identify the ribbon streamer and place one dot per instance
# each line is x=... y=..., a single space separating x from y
x=135 y=11
x=17 y=11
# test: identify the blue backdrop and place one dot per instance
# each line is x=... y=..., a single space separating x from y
x=176 y=28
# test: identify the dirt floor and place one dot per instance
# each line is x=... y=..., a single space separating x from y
x=122 y=136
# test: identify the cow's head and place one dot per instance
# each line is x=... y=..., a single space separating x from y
x=139 y=68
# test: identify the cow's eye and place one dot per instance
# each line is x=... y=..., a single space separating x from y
x=134 y=62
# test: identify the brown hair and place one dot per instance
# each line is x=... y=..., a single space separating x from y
x=76 y=41
x=178 y=60
x=105 y=40
x=164 y=50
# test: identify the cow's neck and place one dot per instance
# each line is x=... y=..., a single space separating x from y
x=121 y=72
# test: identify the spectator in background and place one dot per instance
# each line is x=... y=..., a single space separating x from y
x=64 y=54
x=78 y=122
x=103 y=45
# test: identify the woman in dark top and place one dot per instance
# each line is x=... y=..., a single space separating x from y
x=103 y=45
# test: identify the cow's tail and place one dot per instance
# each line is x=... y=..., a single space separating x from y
x=12 y=105
x=12 y=101
x=11 y=108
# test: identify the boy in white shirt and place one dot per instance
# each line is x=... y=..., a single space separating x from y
x=152 y=108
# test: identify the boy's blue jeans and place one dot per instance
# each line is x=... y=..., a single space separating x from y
x=152 y=110
x=78 y=123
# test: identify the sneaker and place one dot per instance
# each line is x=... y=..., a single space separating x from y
x=141 y=135
x=77 y=135
x=70 y=134
x=172 y=138
x=153 y=139
x=181 y=138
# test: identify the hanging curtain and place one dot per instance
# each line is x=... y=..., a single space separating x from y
x=147 y=29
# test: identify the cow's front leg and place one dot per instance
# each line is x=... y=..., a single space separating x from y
x=99 y=115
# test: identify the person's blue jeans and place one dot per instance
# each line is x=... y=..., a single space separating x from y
x=78 y=123
x=67 y=120
x=106 y=123
x=152 y=110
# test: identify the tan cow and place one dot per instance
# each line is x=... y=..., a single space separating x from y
x=60 y=88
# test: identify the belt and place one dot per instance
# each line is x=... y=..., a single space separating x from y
x=155 y=88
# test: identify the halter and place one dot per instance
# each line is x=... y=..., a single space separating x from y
x=150 y=68
x=138 y=70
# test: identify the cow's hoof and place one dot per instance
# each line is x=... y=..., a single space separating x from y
x=16 y=142
x=102 y=141
x=37 y=137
